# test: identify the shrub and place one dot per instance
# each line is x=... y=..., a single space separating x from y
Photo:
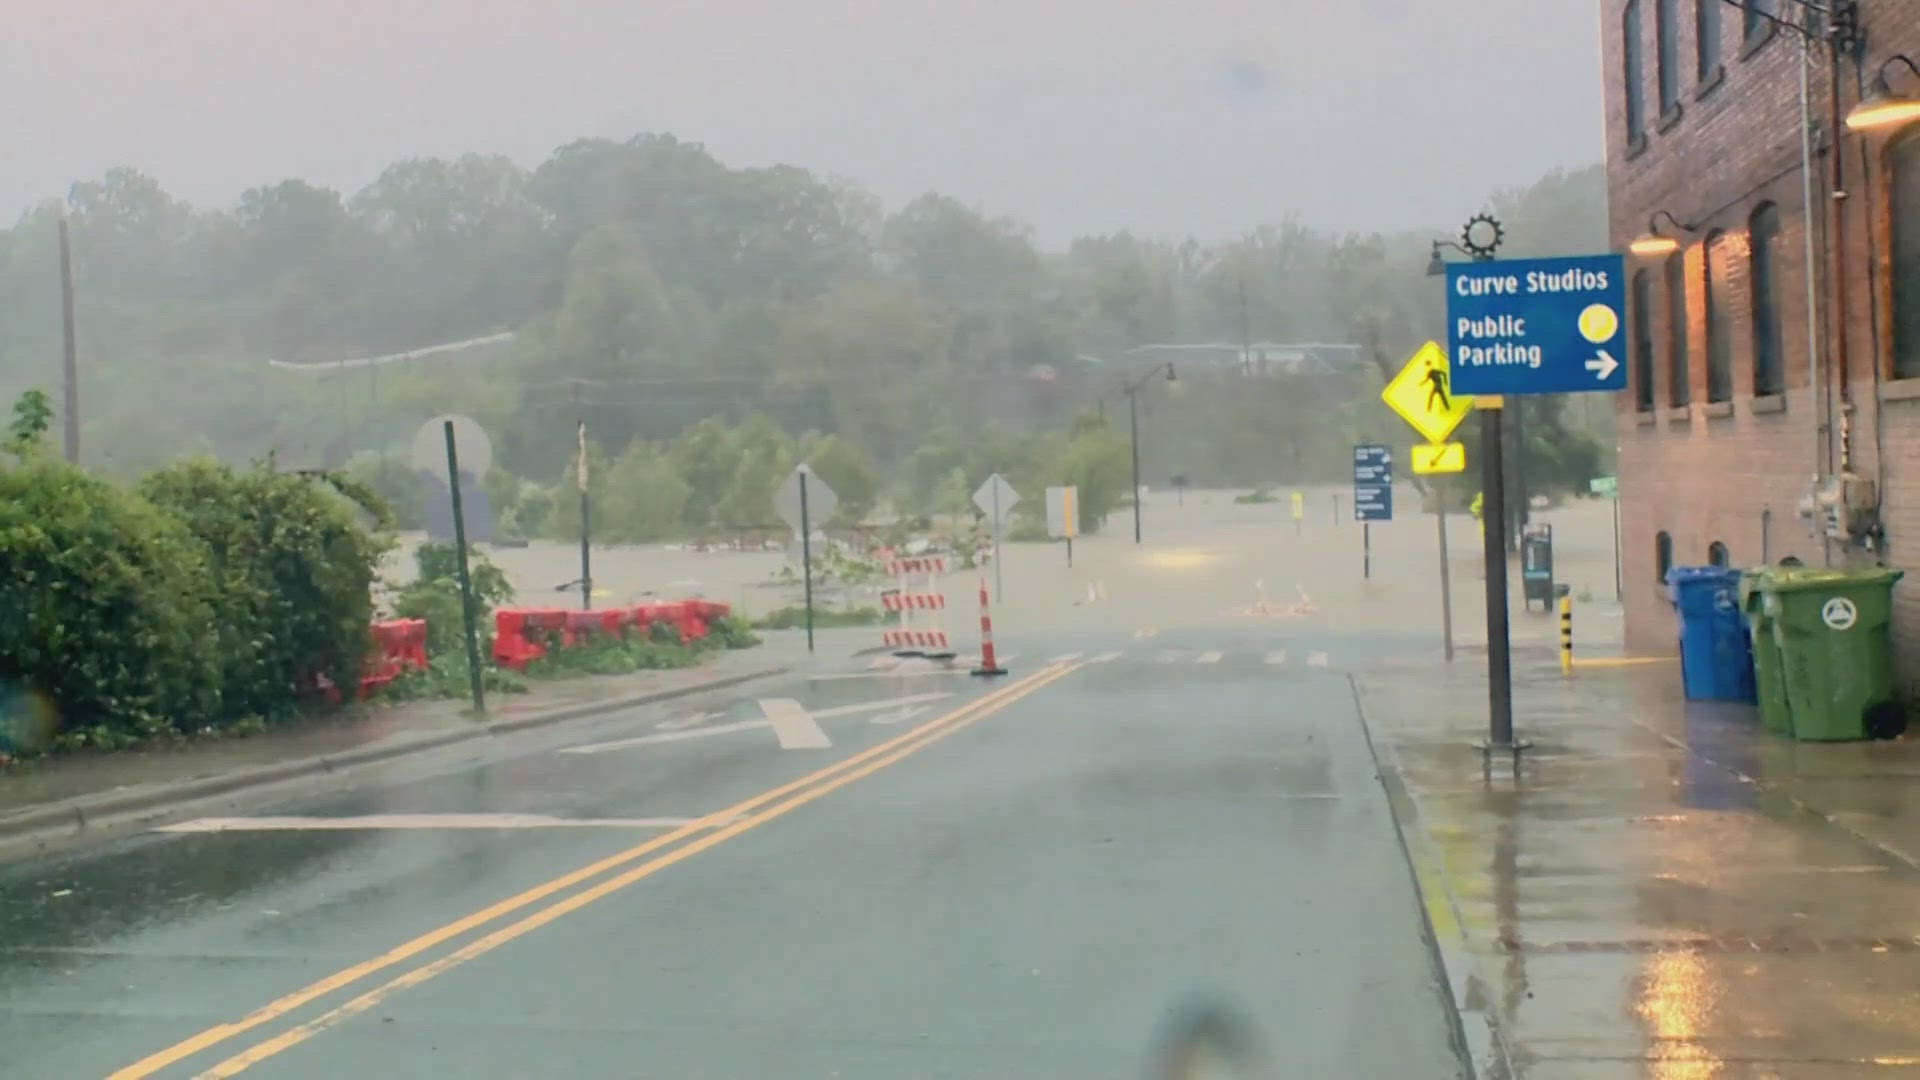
x=106 y=607
x=291 y=571
x=434 y=596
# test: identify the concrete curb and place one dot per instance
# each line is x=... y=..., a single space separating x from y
x=72 y=816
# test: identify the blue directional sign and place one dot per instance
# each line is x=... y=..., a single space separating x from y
x=1537 y=326
x=1372 y=483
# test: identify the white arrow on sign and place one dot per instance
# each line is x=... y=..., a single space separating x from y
x=1603 y=365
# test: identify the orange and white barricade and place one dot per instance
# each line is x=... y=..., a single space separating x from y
x=918 y=631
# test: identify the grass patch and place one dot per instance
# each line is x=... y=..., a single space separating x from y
x=789 y=618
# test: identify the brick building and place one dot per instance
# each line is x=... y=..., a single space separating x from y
x=1720 y=136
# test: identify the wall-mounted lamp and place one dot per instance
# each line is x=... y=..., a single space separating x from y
x=1653 y=243
x=1882 y=109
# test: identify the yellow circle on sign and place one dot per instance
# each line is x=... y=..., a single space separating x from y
x=1598 y=324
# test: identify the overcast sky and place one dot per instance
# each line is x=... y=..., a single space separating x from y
x=1169 y=117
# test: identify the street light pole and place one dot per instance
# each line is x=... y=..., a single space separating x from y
x=1132 y=390
x=1133 y=441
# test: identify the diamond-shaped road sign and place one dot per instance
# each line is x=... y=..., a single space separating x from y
x=821 y=501
x=1423 y=394
x=995 y=498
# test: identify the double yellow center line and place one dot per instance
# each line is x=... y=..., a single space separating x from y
x=730 y=822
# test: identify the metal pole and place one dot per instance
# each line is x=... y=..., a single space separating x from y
x=1336 y=508
x=1069 y=552
x=1619 y=581
x=1366 y=550
x=806 y=557
x=586 y=524
x=1766 y=534
x=70 y=352
x=1133 y=419
x=1446 y=571
x=467 y=615
x=999 y=594
x=1493 y=517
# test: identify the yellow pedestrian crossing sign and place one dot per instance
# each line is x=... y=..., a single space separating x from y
x=1423 y=395
x=1439 y=458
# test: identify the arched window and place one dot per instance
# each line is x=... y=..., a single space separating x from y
x=1642 y=316
x=1763 y=230
x=1903 y=173
x=1719 y=349
x=1666 y=52
x=1679 y=378
x=1717 y=554
x=1634 y=73
x=1662 y=555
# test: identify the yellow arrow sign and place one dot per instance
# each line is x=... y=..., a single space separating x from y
x=1439 y=458
x=1423 y=396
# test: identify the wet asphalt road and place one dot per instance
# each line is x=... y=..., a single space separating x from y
x=1016 y=879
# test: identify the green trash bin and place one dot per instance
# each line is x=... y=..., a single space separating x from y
x=1769 y=675
x=1832 y=630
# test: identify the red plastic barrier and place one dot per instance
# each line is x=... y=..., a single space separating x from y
x=513 y=647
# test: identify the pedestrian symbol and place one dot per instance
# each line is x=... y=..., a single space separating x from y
x=1423 y=395
x=1436 y=378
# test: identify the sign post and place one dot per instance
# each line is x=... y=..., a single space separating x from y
x=475 y=682
x=1063 y=515
x=1527 y=326
x=1608 y=488
x=1422 y=393
x=1372 y=496
x=995 y=497
x=798 y=500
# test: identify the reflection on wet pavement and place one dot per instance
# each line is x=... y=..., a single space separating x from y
x=1659 y=889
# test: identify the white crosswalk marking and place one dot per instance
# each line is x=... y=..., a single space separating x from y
x=1278 y=656
x=1208 y=658
x=1317 y=659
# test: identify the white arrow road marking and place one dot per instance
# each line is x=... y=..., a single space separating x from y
x=793 y=725
x=1065 y=658
x=1145 y=632
x=1169 y=656
x=1278 y=656
x=684 y=722
x=1603 y=365
x=1317 y=659
x=667 y=736
x=1208 y=658
x=421 y=821
x=901 y=715
x=874 y=706
x=1105 y=658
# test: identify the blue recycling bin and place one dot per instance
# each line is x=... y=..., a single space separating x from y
x=1716 y=656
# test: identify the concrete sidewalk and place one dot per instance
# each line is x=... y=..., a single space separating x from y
x=1659 y=889
x=40 y=798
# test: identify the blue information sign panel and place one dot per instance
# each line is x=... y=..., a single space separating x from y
x=1537 y=326
x=1372 y=483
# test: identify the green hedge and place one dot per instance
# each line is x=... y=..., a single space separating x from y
x=106 y=607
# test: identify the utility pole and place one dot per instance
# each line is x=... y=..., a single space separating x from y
x=70 y=356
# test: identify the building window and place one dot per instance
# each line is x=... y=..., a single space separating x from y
x=1756 y=18
x=1642 y=316
x=1679 y=379
x=1706 y=36
x=1717 y=554
x=1635 y=72
x=1666 y=49
x=1763 y=230
x=1903 y=169
x=1719 y=349
x=1662 y=556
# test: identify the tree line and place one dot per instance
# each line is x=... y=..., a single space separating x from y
x=650 y=287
